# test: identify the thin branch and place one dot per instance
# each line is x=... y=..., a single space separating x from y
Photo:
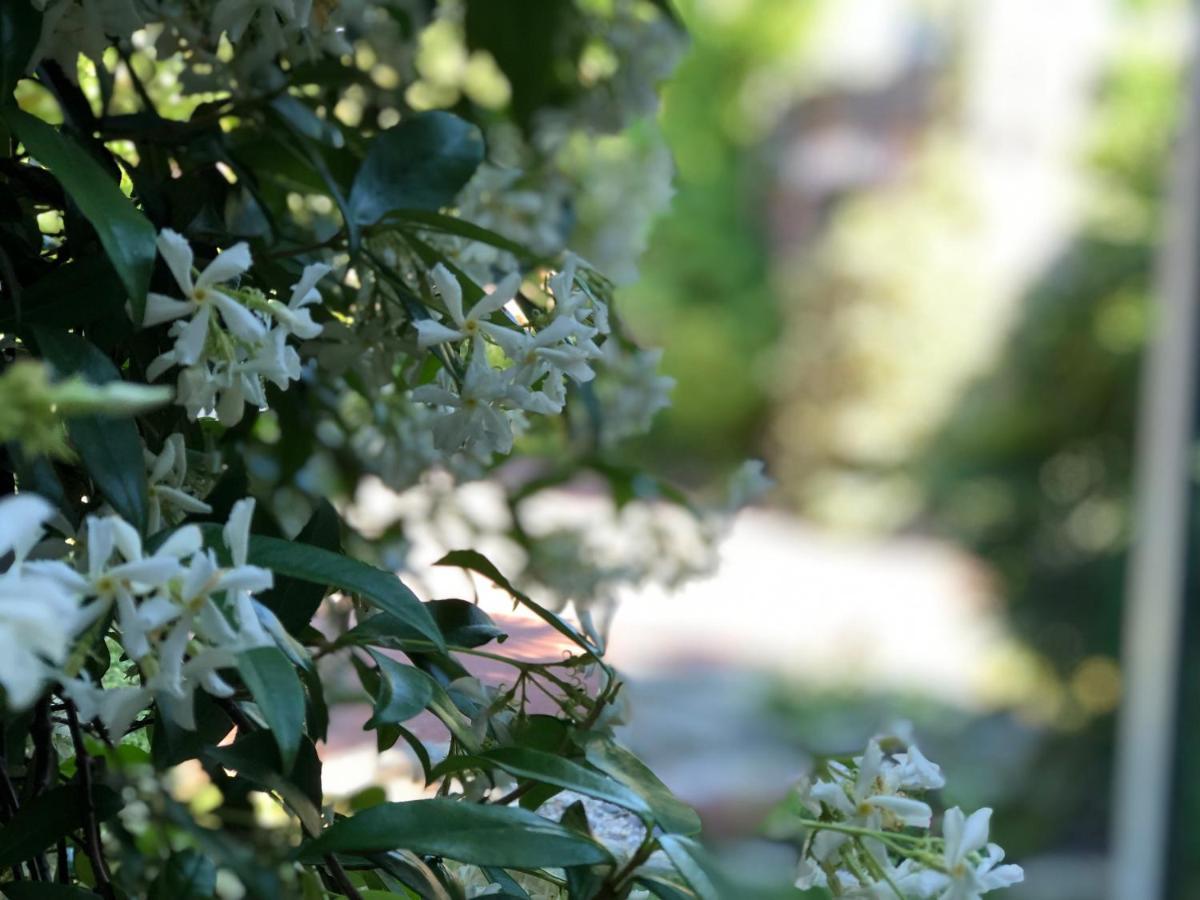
x=83 y=767
x=341 y=878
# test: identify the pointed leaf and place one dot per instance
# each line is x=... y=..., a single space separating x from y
x=466 y=832
x=127 y=235
x=404 y=692
x=109 y=447
x=275 y=686
x=381 y=589
x=422 y=163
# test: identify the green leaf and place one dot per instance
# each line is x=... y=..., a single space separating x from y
x=435 y=221
x=548 y=768
x=381 y=589
x=477 y=562
x=422 y=163
x=41 y=890
x=403 y=692
x=20 y=28
x=671 y=813
x=78 y=293
x=690 y=860
x=253 y=757
x=127 y=235
x=665 y=890
x=275 y=686
x=467 y=832
x=109 y=447
x=188 y=875
x=294 y=600
x=49 y=816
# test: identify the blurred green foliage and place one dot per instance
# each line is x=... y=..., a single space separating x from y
x=705 y=291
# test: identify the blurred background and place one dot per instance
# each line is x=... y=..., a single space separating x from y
x=908 y=263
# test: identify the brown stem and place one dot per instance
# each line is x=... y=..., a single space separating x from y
x=91 y=829
x=339 y=875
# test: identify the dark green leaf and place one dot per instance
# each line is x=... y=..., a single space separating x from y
x=403 y=692
x=109 y=447
x=467 y=832
x=188 y=875
x=690 y=860
x=295 y=600
x=666 y=890
x=20 y=28
x=422 y=163
x=551 y=769
x=300 y=118
x=49 y=816
x=381 y=589
x=41 y=890
x=275 y=686
x=435 y=221
x=253 y=756
x=669 y=812
x=477 y=562
x=127 y=236
x=72 y=295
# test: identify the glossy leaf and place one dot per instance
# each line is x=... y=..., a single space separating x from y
x=669 y=812
x=420 y=164
x=295 y=600
x=381 y=589
x=42 y=890
x=49 y=816
x=467 y=832
x=109 y=447
x=689 y=859
x=188 y=875
x=275 y=686
x=20 y=28
x=549 y=768
x=127 y=235
x=404 y=692
x=477 y=562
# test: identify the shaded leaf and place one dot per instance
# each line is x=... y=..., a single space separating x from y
x=669 y=812
x=381 y=589
x=403 y=692
x=20 y=28
x=127 y=235
x=467 y=832
x=109 y=447
x=420 y=164
x=276 y=688
x=188 y=875
x=49 y=816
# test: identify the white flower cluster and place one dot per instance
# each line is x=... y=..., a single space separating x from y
x=179 y=615
x=261 y=29
x=227 y=342
x=869 y=834
x=479 y=413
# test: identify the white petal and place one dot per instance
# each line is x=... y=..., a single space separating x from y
x=430 y=332
x=304 y=291
x=237 y=530
x=161 y=308
x=238 y=319
x=228 y=265
x=190 y=342
x=21 y=519
x=177 y=254
x=450 y=291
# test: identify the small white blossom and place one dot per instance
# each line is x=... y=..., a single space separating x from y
x=474 y=324
x=972 y=862
x=168 y=500
x=37 y=612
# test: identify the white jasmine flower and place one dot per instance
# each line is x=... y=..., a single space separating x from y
x=168 y=501
x=970 y=879
x=37 y=611
x=115 y=707
x=475 y=420
x=914 y=772
x=295 y=317
x=474 y=324
x=200 y=297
